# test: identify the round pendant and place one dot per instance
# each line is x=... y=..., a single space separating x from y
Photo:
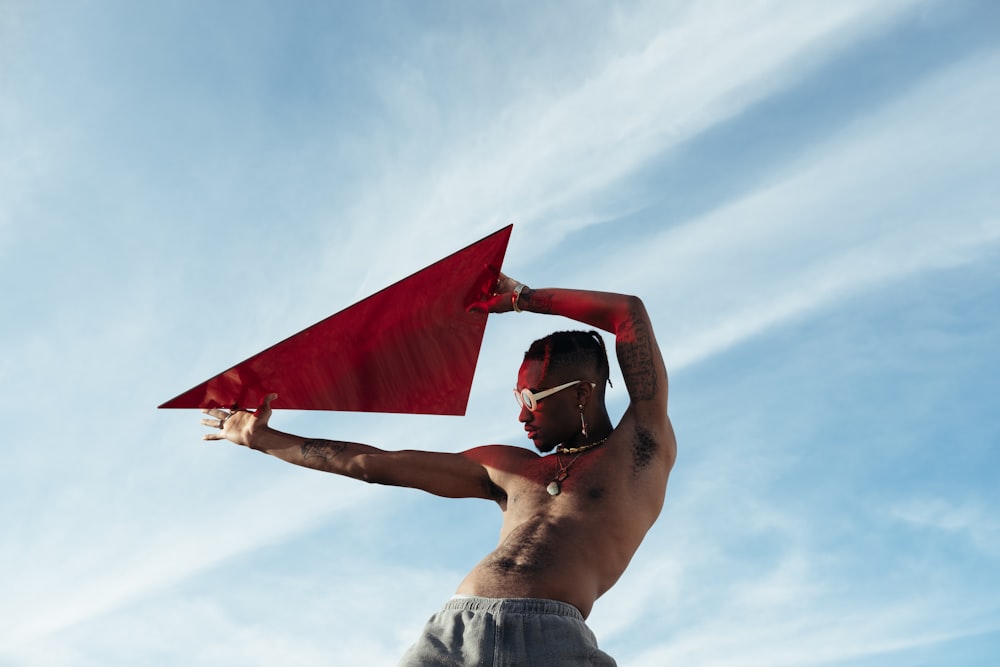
x=553 y=488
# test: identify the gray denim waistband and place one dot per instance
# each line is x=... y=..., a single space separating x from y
x=512 y=606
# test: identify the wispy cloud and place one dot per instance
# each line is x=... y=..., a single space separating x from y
x=845 y=222
x=967 y=520
x=120 y=569
x=760 y=585
x=546 y=160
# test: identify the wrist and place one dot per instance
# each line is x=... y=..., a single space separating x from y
x=515 y=297
x=260 y=438
x=536 y=301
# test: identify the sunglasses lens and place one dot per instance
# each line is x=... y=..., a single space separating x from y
x=526 y=399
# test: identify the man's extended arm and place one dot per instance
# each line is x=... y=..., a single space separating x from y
x=445 y=474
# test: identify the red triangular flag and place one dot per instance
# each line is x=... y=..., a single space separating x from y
x=410 y=348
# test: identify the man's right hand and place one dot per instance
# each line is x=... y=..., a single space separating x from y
x=502 y=298
x=240 y=426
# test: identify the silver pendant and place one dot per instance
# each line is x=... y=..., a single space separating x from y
x=553 y=488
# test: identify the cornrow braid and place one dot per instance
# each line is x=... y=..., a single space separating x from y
x=576 y=348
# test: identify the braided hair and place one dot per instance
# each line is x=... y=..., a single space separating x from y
x=572 y=348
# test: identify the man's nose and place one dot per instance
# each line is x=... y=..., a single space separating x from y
x=525 y=416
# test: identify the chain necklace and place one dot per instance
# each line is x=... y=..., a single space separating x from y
x=554 y=488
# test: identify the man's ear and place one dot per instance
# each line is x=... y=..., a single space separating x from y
x=584 y=392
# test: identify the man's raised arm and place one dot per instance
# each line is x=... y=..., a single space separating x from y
x=625 y=316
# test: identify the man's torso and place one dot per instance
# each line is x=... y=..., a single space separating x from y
x=573 y=546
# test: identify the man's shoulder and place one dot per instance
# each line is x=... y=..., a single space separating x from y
x=496 y=455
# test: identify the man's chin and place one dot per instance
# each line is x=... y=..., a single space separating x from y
x=544 y=447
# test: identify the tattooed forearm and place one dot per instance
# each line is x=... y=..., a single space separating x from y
x=319 y=452
x=535 y=302
x=637 y=360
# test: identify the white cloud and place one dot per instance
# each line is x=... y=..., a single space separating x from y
x=967 y=520
x=542 y=162
x=846 y=221
x=119 y=569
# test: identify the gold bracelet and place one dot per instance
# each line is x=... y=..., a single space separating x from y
x=517 y=295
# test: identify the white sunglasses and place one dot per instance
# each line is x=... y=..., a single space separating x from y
x=528 y=399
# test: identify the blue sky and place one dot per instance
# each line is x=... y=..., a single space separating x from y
x=804 y=194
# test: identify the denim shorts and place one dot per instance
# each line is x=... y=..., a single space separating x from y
x=491 y=632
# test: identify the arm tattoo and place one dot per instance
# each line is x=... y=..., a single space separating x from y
x=538 y=303
x=318 y=452
x=636 y=358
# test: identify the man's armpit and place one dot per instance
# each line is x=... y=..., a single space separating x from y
x=644 y=447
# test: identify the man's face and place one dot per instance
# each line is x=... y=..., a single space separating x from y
x=556 y=418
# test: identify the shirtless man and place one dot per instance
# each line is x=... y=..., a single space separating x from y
x=572 y=519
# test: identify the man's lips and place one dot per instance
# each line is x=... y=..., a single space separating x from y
x=532 y=433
